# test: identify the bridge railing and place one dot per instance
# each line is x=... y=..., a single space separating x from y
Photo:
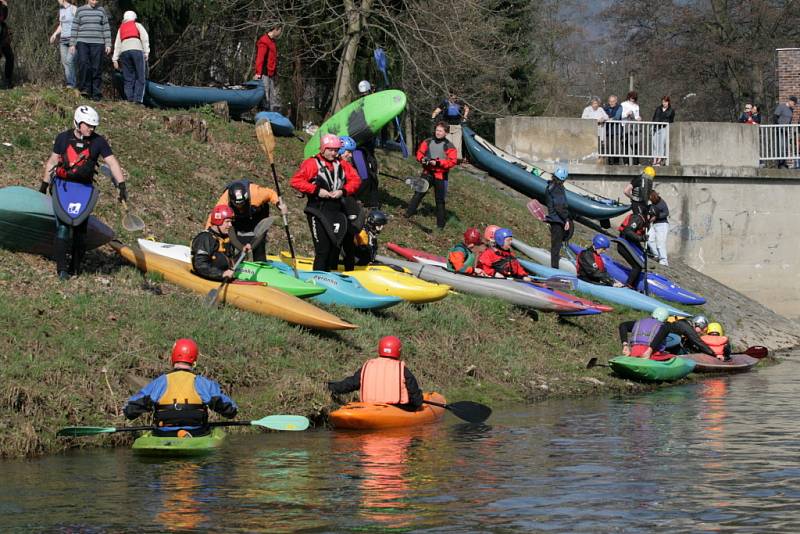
x=634 y=142
x=779 y=142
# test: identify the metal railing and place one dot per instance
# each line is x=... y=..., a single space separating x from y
x=634 y=142
x=779 y=142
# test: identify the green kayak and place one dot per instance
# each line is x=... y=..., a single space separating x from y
x=265 y=273
x=647 y=370
x=147 y=443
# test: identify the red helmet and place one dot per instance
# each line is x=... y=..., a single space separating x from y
x=488 y=234
x=390 y=347
x=472 y=236
x=220 y=213
x=184 y=350
x=329 y=141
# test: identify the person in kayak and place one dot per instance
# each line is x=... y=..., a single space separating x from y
x=325 y=179
x=437 y=156
x=461 y=258
x=499 y=261
x=646 y=338
x=180 y=399
x=366 y=241
x=212 y=251
x=74 y=161
x=590 y=265
x=633 y=230
x=638 y=190
x=488 y=235
x=384 y=379
x=250 y=204
x=690 y=330
x=718 y=341
x=558 y=214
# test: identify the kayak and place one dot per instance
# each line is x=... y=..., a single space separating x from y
x=617 y=295
x=28 y=224
x=420 y=256
x=658 y=285
x=255 y=298
x=362 y=119
x=281 y=126
x=247 y=271
x=383 y=280
x=239 y=99
x=540 y=255
x=147 y=443
x=372 y=416
x=738 y=363
x=647 y=370
x=532 y=181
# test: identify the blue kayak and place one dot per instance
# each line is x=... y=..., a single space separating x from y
x=183 y=96
x=617 y=295
x=657 y=285
x=532 y=181
x=281 y=126
x=341 y=289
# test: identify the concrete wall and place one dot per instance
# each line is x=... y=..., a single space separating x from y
x=713 y=143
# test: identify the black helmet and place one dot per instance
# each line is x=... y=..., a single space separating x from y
x=239 y=196
x=377 y=218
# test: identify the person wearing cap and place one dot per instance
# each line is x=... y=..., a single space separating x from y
x=558 y=217
x=437 y=156
x=90 y=37
x=250 y=204
x=266 y=66
x=213 y=254
x=499 y=261
x=325 y=179
x=461 y=258
x=590 y=265
x=131 y=50
x=384 y=380
x=783 y=115
x=180 y=399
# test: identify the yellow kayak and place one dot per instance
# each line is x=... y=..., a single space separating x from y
x=255 y=298
x=383 y=280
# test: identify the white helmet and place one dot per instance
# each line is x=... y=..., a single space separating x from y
x=364 y=87
x=86 y=114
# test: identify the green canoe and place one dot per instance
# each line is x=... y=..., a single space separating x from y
x=361 y=119
x=265 y=273
x=147 y=443
x=647 y=370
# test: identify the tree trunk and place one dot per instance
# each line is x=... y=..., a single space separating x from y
x=356 y=21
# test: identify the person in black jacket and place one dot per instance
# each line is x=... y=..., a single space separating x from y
x=633 y=230
x=212 y=251
x=590 y=265
x=663 y=113
x=558 y=218
x=5 y=45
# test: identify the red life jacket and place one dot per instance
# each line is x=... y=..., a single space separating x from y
x=626 y=222
x=128 y=30
x=599 y=264
x=76 y=163
x=383 y=380
x=717 y=344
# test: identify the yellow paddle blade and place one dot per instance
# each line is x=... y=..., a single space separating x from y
x=266 y=138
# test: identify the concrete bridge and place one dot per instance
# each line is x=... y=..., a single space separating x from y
x=729 y=218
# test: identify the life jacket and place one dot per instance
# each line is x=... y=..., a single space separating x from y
x=717 y=344
x=76 y=164
x=330 y=181
x=598 y=262
x=469 y=259
x=181 y=405
x=436 y=150
x=644 y=332
x=128 y=30
x=383 y=380
x=641 y=189
x=453 y=110
x=629 y=220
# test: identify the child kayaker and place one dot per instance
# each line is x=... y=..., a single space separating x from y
x=499 y=261
x=367 y=239
x=715 y=338
x=461 y=258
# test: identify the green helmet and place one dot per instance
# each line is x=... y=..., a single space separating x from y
x=660 y=314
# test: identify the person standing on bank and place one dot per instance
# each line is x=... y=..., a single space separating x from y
x=131 y=50
x=638 y=190
x=5 y=46
x=63 y=32
x=453 y=111
x=437 y=156
x=558 y=218
x=69 y=176
x=659 y=228
x=266 y=66
x=91 y=36
x=663 y=113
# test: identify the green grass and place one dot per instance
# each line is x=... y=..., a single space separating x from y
x=71 y=353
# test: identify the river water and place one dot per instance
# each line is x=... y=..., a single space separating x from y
x=718 y=455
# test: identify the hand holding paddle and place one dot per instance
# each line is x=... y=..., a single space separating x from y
x=273 y=422
x=472 y=412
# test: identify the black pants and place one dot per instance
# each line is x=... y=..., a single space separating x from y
x=440 y=193
x=8 y=53
x=557 y=238
x=349 y=251
x=636 y=269
x=326 y=250
x=369 y=193
x=62 y=245
x=90 y=68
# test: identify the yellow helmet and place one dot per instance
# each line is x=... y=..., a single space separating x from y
x=714 y=329
x=649 y=171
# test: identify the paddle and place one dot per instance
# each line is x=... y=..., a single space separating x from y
x=130 y=222
x=593 y=363
x=267 y=140
x=213 y=295
x=274 y=422
x=380 y=61
x=417 y=183
x=757 y=351
x=537 y=210
x=472 y=412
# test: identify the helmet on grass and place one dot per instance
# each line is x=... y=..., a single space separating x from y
x=185 y=351
x=390 y=347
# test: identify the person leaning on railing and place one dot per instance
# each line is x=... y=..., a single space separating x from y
x=783 y=115
x=613 y=110
x=663 y=113
x=630 y=112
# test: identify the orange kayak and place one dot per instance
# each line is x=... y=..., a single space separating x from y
x=371 y=416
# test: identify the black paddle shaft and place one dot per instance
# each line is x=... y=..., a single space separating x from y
x=285 y=222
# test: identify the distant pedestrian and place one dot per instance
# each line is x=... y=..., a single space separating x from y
x=5 y=46
x=756 y=117
x=783 y=115
x=437 y=156
x=659 y=228
x=266 y=66
x=747 y=115
x=63 y=32
x=558 y=214
x=90 y=37
x=630 y=112
x=453 y=111
x=663 y=113
x=596 y=113
x=131 y=50
x=613 y=130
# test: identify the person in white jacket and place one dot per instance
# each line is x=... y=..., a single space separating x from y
x=630 y=112
x=131 y=50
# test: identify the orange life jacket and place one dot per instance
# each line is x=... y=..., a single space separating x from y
x=717 y=344
x=128 y=30
x=383 y=380
x=181 y=405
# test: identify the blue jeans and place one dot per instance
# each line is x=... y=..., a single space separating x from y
x=68 y=62
x=132 y=64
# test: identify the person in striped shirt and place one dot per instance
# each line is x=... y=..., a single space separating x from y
x=91 y=36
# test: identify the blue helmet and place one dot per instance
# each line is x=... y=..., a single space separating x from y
x=600 y=241
x=501 y=234
x=561 y=173
x=348 y=143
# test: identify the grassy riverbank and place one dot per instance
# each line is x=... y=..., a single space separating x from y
x=73 y=352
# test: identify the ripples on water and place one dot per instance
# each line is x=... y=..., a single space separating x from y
x=715 y=456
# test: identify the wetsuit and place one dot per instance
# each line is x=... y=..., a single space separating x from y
x=591 y=268
x=690 y=339
x=212 y=254
x=640 y=193
x=557 y=218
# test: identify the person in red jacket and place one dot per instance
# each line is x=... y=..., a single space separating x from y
x=266 y=66
x=499 y=261
x=325 y=179
x=437 y=156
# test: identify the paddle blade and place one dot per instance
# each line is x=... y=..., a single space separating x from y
x=758 y=351
x=469 y=411
x=537 y=210
x=211 y=298
x=266 y=138
x=78 y=431
x=132 y=223
x=418 y=184
x=380 y=59
x=282 y=422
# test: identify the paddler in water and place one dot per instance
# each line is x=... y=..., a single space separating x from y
x=590 y=265
x=499 y=261
x=461 y=258
x=179 y=400
x=384 y=379
x=74 y=161
x=212 y=252
x=325 y=179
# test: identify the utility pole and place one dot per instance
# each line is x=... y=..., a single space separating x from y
x=630 y=81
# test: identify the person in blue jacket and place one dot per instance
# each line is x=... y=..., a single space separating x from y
x=179 y=400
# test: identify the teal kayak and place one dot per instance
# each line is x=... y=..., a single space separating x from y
x=147 y=443
x=647 y=370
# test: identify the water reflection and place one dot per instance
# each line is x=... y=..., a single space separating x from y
x=179 y=486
